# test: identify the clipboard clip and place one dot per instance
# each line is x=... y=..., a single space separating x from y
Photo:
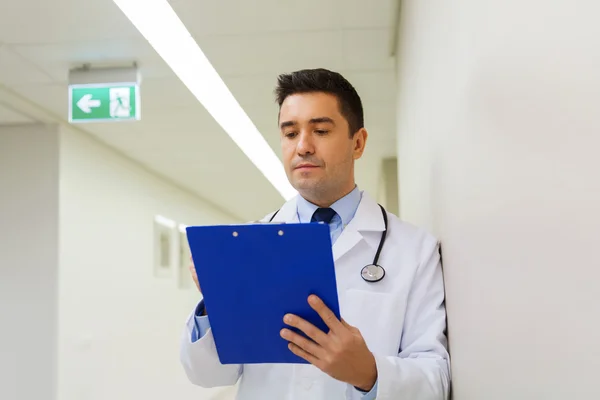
x=280 y=233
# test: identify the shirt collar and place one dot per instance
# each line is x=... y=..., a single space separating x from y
x=345 y=207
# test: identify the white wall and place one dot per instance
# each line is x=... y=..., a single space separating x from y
x=498 y=138
x=28 y=261
x=119 y=325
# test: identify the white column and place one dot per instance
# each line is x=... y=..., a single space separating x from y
x=388 y=185
x=498 y=142
x=29 y=196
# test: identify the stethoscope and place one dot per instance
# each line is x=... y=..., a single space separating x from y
x=371 y=272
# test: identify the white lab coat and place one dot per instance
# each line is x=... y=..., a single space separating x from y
x=402 y=319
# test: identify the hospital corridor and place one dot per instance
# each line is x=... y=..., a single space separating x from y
x=290 y=200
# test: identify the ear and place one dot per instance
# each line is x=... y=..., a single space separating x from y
x=360 y=142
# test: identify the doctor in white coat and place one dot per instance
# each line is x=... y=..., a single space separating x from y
x=390 y=342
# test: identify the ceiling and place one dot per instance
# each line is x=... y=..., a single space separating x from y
x=10 y=116
x=248 y=43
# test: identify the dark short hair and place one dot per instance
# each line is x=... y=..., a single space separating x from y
x=323 y=80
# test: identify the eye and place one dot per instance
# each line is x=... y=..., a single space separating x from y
x=290 y=135
x=321 y=132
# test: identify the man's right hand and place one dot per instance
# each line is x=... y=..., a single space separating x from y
x=195 y=278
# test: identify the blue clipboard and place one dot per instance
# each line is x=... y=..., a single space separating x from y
x=252 y=275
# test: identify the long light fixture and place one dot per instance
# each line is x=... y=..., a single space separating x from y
x=162 y=28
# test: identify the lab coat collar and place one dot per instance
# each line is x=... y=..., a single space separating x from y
x=287 y=213
x=368 y=217
x=366 y=225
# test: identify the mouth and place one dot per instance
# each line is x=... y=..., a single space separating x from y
x=306 y=166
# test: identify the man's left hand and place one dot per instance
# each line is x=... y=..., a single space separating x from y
x=342 y=353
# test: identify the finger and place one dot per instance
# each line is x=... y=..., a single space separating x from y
x=305 y=344
x=325 y=313
x=352 y=329
x=193 y=273
x=303 y=354
x=317 y=335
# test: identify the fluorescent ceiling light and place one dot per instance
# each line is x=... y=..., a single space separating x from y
x=162 y=28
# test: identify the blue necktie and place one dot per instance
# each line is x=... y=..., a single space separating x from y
x=323 y=215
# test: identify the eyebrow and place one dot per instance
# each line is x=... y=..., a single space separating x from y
x=319 y=120
x=287 y=124
x=322 y=120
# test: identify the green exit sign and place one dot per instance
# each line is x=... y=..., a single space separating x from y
x=100 y=103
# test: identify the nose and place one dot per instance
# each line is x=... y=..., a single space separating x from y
x=305 y=144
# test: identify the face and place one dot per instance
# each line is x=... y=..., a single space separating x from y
x=317 y=148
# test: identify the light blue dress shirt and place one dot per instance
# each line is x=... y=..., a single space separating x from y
x=345 y=209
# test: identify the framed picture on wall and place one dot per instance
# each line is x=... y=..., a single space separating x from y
x=164 y=246
x=184 y=278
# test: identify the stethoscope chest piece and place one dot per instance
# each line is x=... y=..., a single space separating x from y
x=372 y=273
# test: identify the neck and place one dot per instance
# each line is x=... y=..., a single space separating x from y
x=325 y=200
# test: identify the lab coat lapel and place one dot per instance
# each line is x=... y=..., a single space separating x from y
x=367 y=220
x=287 y=213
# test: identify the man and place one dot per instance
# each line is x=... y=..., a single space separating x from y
x=390 y=342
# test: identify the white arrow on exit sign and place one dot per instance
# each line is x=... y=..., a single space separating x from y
x=86 y=103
